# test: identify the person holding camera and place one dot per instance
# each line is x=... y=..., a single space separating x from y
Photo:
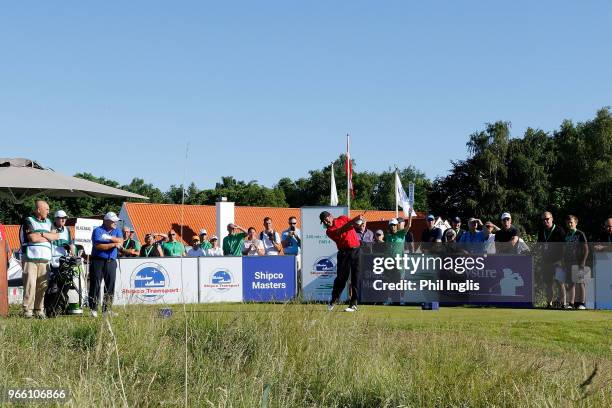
x=292 y=238
x=270 y=238
x=252 y=246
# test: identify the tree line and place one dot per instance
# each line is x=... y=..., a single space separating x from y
x=566 y=171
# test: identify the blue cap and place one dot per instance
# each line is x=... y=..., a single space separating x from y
x=430 y=217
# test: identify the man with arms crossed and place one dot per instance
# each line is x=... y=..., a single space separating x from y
x=341 y=230
x=38 y=235
x=106 y=240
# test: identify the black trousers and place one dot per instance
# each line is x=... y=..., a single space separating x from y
x=102 y=269
x=348 y=265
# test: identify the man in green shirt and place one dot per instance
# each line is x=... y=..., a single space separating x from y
x=204 y=242
x=172 y=247
x=232 y=244
x=395 y=237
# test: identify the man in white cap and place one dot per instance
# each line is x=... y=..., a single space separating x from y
x=214 y=250
x=105 y=240
x=204 y=242
x=508 y=235
x=396 y=236
x=64 y=245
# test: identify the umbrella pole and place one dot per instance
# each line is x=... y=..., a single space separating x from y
x=3 y=281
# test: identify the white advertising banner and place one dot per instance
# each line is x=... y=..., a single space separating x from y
x=156 y=281
x=318 y=255
x=82 y=232
x=220 y=279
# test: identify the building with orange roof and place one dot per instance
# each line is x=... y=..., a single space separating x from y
x=160 y=218
x=147 y=218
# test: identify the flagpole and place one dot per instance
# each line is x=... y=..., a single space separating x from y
x=348 y=176
x=396 y=198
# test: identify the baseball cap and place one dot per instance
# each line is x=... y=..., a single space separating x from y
x=195 y=238
x=430 y=217
x=359 y=222
x=111 y=216
x=506 y=215
x=393 y=221
x=380 y=232
x=323 y=215
x=203 y=232
x=60 y=214
x=456 y=219
x=214 y=237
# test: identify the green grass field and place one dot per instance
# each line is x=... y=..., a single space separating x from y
x=251 y=355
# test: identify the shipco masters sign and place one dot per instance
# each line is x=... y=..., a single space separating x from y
x=268 y=278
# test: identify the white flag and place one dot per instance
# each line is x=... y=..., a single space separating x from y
x=401 y=198
x=333 y=196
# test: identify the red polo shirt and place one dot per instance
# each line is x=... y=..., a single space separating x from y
x=344 y=240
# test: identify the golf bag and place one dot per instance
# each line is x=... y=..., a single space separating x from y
x=60 y=282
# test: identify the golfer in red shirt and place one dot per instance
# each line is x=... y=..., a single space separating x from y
x=342 y=231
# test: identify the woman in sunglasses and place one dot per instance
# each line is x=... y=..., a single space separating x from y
x=150 y=249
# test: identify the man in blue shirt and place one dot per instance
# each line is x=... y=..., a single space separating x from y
x=291 y=240
x=105 y=240
x=473 y=240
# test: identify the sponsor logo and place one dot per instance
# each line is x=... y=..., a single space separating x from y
x=323 y=266
x=221 y=280
x=149 y=282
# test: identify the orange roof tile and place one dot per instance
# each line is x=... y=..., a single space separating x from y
x=148 y=218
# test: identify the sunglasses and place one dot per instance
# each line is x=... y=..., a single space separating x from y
x=546 y=219
x=293 y=223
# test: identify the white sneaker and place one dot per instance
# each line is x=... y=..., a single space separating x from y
x=568 y=307
x=28 y=315
x=330 y=308
x=581 y=307
x=94 y=313
x=351 y=309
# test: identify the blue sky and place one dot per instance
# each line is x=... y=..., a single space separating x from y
x=268 y=89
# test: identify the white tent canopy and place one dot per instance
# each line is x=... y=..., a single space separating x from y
x=23 y=178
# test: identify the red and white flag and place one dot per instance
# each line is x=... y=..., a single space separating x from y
x=349 y=169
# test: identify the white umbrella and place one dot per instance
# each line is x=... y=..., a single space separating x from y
x=22 y=178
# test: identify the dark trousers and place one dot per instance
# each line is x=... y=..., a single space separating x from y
x=102 y=269
x=348 y=265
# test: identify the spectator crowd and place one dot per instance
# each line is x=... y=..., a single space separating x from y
x=564 y=248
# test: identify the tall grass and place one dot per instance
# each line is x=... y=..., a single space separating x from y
x=293 y=356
